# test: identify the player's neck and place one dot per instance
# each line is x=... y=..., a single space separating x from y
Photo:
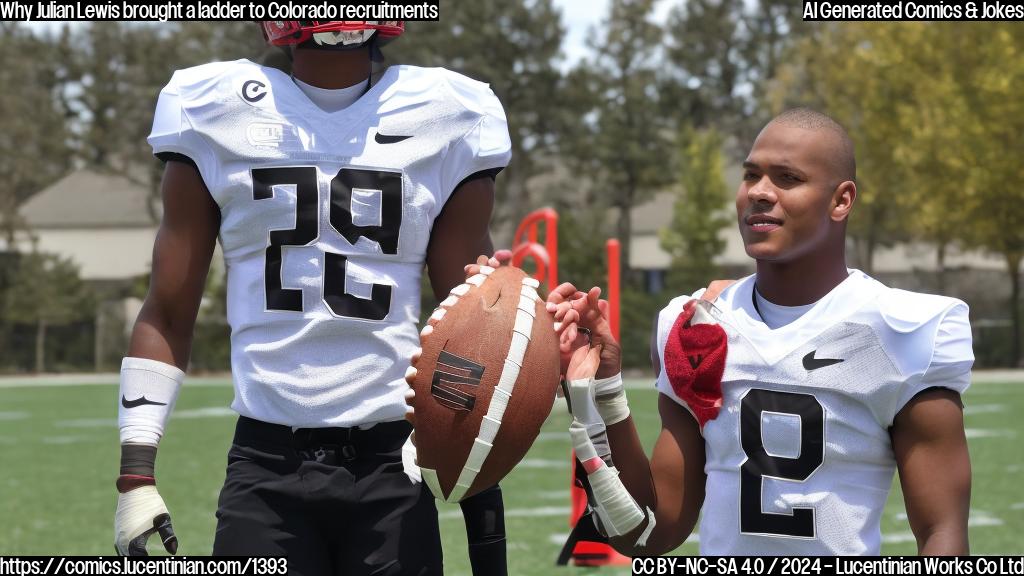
x=802 y=281
x=331 y=69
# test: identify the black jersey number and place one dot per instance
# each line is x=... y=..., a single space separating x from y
x=307 y=228
x=760 y=464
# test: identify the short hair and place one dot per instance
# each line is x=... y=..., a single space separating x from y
x=809 y=119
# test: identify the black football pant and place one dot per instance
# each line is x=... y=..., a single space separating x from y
x=335 y=501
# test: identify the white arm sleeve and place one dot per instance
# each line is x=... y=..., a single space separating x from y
x=149 y=389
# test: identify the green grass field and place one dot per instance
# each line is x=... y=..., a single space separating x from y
x=59 y=457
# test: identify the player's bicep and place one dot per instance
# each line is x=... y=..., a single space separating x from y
x=181 y=260
x=460 y=233
x=928 y=436
x=677 y=466
x=186 y=238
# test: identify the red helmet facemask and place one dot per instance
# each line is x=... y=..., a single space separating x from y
x=332 y=33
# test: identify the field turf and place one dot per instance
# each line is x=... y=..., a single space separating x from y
x=59 y=459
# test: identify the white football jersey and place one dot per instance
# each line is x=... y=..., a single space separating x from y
x=799 y=458
x=325 y=220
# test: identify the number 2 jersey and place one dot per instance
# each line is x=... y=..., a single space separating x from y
x=799 y=458
x=325 y=221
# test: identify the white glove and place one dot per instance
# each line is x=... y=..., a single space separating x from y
x=140 y=513
x=412 y=470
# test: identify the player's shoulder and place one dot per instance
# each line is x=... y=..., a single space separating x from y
x=204 y=77
x=920 y=330
x=904 y=311
x=728 y=298
x=458 y=89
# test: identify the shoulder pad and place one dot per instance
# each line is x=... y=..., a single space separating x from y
x=205 y=75
x=905 y=312
x=473 y=94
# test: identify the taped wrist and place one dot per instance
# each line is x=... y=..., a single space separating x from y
x=138 y=459
x=149 y=389
x=610 y=397
x=617 y=510
x=138 y=464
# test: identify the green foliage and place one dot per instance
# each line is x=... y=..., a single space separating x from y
x=699 y=213
x=582 y=257
x=638 y=313
x=619 y=140
x=721 y=55
x=45 y=290
x=112 y=73
x=33 y=145
x=933 y=109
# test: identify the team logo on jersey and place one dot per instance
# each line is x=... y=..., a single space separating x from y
x=264 y=134
x=812 y=363
x=253 y=91
x=452 y=370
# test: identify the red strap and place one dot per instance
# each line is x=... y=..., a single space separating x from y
x=126 y=482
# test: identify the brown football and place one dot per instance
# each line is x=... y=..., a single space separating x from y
x=485 y=382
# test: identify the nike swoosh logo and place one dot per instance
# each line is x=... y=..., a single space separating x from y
x=140 y=401
x=812 y=363
x=387 y=139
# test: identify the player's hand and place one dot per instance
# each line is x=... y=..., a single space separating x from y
x=574 y=310
x=500 y=258
x=584 y=363
x=141 y=513
x=587 y=430
x=410 y=380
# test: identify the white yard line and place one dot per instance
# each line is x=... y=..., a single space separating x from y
x=986 y=433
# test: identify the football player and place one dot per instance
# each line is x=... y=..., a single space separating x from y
x=328 y=192
x=789 y=400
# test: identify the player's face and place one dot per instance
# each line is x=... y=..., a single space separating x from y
x=784 y=200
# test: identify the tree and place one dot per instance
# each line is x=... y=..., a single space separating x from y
x=112 y=90
x=620 y=143
x=699 y=213
x=706 y=54
x=45 y=291
x=513 y=46
x=934 y=112
x=722 y=54
x=33 y=143
x=989 y=71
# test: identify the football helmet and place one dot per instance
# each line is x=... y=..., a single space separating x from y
x=340 y=34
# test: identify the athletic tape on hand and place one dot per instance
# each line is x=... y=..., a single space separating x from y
x=610 y=398
x=618 y=511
